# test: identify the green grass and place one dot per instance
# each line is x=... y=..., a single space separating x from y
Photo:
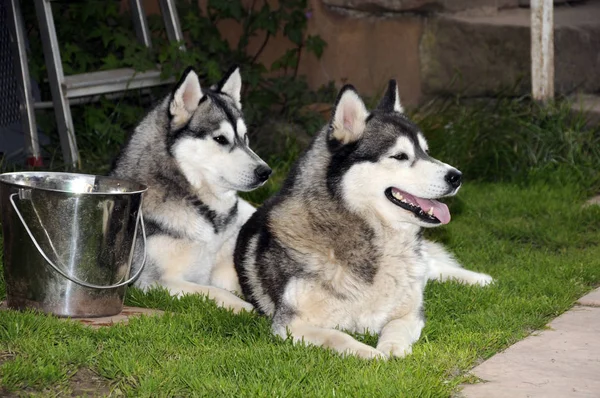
x=536 y=240
x=519 y=218
x=507 y=139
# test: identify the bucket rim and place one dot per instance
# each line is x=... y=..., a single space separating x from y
x=141 y=187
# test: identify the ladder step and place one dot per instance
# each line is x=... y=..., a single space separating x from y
x=109 y=81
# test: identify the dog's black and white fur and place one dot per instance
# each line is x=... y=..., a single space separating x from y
x=340 y=247
x=192 y=152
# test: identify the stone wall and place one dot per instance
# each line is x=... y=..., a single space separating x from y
x=420 y=5
x=432 y=47
x=364 y=49
x=483 y=55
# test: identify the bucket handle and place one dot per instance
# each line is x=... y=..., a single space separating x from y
x=72 y=278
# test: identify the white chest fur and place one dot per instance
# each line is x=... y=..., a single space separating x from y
x=340 y=298
x=189 y=241
x=192 y=260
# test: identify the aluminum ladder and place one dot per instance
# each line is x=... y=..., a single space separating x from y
x=63 y=88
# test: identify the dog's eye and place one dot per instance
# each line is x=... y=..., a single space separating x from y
x=221 y=140
x=400 y=156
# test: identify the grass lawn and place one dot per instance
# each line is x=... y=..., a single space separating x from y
x=519 y=218
x=535 y=239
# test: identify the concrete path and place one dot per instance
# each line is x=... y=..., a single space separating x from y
x=563 y=361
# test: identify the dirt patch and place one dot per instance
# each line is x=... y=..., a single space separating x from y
x=84 y=383
x=87 y=383
x=6 y=356
x=7 y=394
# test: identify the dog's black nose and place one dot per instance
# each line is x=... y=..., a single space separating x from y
x=263 y=172
x=454 y=178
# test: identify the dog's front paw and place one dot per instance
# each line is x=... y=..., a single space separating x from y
x=346 y=345
x=394 y=349
x=482 y=280
x=367 y=352
x=238 y=306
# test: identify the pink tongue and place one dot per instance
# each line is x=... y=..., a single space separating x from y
x=440 y=210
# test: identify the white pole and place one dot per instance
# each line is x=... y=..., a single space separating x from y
x=542 y=50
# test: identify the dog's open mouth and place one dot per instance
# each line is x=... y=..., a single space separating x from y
x=428 y=210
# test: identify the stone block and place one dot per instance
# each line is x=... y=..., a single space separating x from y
x=485 y=55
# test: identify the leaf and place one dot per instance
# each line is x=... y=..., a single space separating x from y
x=288 y=60
x=315 y=44
x=110 y=62
x=213 y=70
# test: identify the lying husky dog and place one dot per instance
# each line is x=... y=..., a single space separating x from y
x=192 y=152
x=340 y=246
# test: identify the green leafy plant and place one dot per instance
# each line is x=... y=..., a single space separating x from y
x=97 y=35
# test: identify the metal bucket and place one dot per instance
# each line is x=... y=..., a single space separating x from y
x=69 y=241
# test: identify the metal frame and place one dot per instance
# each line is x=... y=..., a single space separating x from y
x=140 y=22
x=26 y=105
x=110 y=81
x=169 y=13
x=64 y=120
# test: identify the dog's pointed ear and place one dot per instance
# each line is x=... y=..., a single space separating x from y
x=185 y=98
x=231 y=84
x=349 y=116
x=391 y=100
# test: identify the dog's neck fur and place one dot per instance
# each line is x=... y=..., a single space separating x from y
x=163 y=168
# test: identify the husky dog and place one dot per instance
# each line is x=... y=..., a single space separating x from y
x=340 y=246
x=192 y=152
